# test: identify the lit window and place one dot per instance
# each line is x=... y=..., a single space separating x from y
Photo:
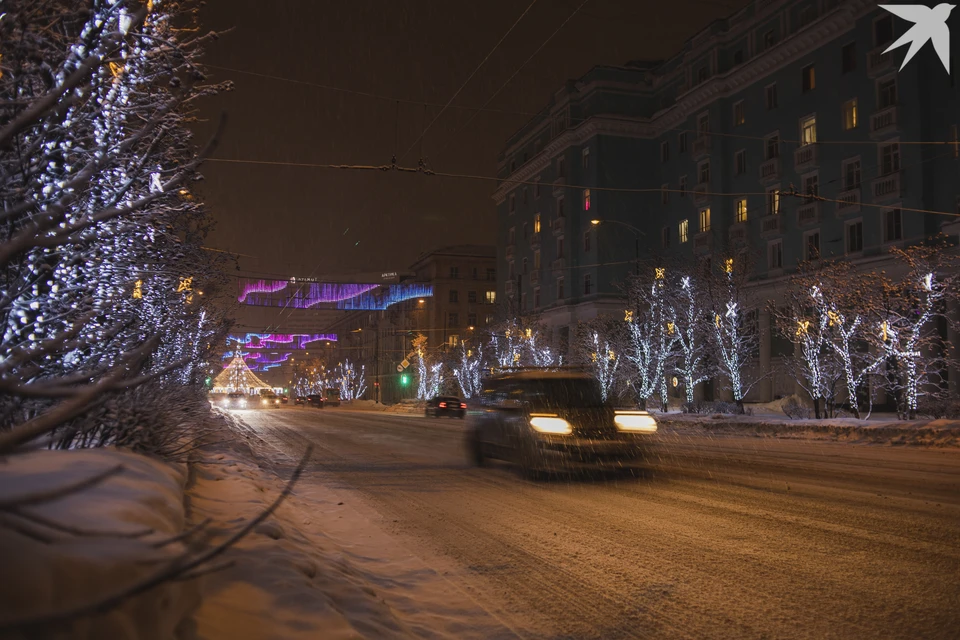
x=453 y=340
x=491 y=297
x=586 y=199
x=704 y=220
x=850 y=114
x=684 y=230
x=536 y=223
x=742 y=210
x=808 y=130
x=773 y=202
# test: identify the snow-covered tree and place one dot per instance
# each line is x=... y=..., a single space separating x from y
x=651 y=335
x=468 y=370
x=311 y=377
x=506 y=343
x=688 y=316
x=537 y=352
x=351 y=380
x=430 y=376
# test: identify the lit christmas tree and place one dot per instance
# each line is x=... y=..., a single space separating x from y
x=237 y=377
x=651 y=336
x=687 y=315
x=468 y=370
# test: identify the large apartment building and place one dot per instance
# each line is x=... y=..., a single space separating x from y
x=790 y=103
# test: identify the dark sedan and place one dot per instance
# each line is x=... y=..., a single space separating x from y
x=449 y=406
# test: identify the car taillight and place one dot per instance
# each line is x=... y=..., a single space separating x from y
x=463 y=406
x=443 y=405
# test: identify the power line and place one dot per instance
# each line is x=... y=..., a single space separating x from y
x=514 y=75
x=470 y=77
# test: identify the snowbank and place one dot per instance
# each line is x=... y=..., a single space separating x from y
x=405 y=407
x=88 y=545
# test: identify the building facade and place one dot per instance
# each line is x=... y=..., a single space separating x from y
x=782 y=130
x=463 y=304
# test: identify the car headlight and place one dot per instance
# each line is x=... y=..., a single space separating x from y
x=638 y=421
x=550 y=423
x=264 y=402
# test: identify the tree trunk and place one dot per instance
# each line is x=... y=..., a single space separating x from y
x=740 y=409
x=816 y=408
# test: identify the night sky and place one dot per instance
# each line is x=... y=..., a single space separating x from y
x=310 y=221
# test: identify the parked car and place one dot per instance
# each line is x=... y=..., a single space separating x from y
x=449 y=406
x=270 y=400
x=315 y=400
x=331 y=397
x=554 y=421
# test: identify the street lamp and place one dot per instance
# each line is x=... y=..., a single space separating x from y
x=636 y=235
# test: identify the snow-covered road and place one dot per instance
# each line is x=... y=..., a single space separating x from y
x=724 y=537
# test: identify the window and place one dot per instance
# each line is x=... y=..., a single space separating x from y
x=536 y=223
x=665 y=237
x=811 y=187
x=742 y=210
x=525 y=158
x=453 y=340
x=738 y=57
x=560 y=247
x=536 y=147
x=455 y=271
x=851 y=174
x=703 y=172
x=510 y=272
x=536 y=260
x=704 y=220
x=771 y=148
x=807 y=15
x=664 y=194
x=491 y=274
x=586 y=199
x=883 y=31
x=471 y=320
x=587 y=285
x=775 y=255
x=560 y=295
x=740 y=162
x=491 y=297
x=472 y=297
x=886 y=93
x=769 y=39
x=560 y=208
x=664 y=151
x=526 y=234
x=511 y=236
x=809 y=78
x=889 y=158
x=771 y=96
x=892 y=225
x=561 y=168
x=812 y=245
x=586 y=241
x=850 y=114
x=773 y=201
x=808 y=130
x=523 y=301
x=454 y=295
x=536 y=189
x=682 y=187
x=476 y=272
x=524 y=266
x=488 y=319
x=855 y=237
x=536 y=298
x=701 y=75
x=585 y=155
x=513 y=166
x=738 y=114
x=848 y=57
x=682 y=142
x=526 y=195
x=703 y=124
x=513 y=204
x=453 y=319
x=684 y=231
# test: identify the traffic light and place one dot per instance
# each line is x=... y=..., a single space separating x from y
x=404 y=380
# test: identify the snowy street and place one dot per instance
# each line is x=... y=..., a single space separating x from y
x=719 y=537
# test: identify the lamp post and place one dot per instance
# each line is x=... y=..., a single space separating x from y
x=636 y=236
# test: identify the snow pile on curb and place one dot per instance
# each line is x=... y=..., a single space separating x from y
x=891 y=431
x=363 y=405
x=99 y=547
x=404 y=407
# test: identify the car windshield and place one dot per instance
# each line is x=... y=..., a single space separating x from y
x=563 y=394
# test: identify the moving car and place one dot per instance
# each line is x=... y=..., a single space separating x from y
x=547 y=421
x=299 y=401
x=315 y=400
x=236 y=400
x=445 y=406
x=270 y=400
x=284 y=399
x=331 y=397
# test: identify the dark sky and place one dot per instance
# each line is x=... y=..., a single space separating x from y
x=303 y=221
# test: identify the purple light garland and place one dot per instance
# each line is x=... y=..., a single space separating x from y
x=290 y=340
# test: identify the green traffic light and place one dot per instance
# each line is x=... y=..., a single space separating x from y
x=404 y=379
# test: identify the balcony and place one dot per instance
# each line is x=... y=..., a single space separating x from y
x=702 y=242
x=849 y=202
x=806 y=157
x=883 y=121
x=508 y=287
x=535 y=277
x=559 y=186
x=535 y=240
x=510 y=252
x=701 y=147
x=887 y=187
x=558 y=224
x=808 y=214
x=558 y=266
x=738 y=233
x=770 y=170
x=770 y=224
x=700 y=192
x=878 y=62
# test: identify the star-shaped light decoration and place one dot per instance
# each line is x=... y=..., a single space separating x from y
x=628 y=316
x=834 y=318
x=728 y=265
x=802 y=327
x=670 y=327
x=138 y=290
x=660 y=272
x=928 y=282
x=186 y=284
x=731 y=309
x=685 y=282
